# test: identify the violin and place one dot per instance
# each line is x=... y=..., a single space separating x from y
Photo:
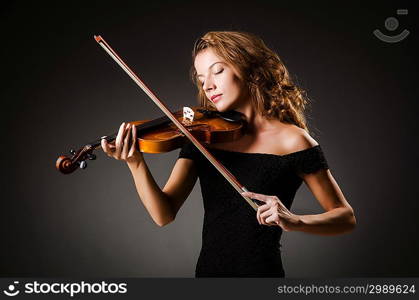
x=161 y=135
x=186 y=130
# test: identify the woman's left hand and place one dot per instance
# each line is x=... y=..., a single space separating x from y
x=274 y=212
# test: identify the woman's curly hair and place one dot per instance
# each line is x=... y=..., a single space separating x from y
x=273 y=92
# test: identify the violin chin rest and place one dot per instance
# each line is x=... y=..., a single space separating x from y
x=230 y=116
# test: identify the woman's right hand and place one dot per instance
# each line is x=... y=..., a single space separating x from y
x=125 y=145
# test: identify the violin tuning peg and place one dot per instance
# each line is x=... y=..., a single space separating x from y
x=83 y=164
x=91 y=156
x=72 y=151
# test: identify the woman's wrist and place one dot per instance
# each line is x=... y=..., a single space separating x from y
x=296 y=223
x=134 y=164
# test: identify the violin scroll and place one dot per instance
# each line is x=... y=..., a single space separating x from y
x=68 y=164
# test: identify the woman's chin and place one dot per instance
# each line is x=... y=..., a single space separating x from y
x=222 y=108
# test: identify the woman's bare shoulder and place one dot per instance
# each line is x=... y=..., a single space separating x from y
x=293 y=138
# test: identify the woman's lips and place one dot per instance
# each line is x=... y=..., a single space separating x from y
x=216 y=98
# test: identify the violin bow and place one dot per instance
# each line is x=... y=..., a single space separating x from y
x=227 y=175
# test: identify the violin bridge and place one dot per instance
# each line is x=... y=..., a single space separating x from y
x=188 y=115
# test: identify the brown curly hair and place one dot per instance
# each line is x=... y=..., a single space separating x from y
x=274 y=94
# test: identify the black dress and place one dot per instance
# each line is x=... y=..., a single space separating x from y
x=234 y=244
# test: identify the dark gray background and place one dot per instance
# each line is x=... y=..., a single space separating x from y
x=61 y=90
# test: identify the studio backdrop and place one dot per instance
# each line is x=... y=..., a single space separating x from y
x=60 y=90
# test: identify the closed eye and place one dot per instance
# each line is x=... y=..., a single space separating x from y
x=219 y=72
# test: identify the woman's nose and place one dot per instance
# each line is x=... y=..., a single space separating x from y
x=208 y=85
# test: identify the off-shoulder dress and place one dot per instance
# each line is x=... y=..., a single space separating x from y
x=234 y=244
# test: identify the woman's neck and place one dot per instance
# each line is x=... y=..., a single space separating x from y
x=256 y=123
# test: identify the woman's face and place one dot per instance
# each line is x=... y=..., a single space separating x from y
x=220 y=81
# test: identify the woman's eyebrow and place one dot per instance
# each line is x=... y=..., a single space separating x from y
x=200 y=75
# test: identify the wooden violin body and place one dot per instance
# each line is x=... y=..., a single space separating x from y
x=161 y=135
x=207 y=130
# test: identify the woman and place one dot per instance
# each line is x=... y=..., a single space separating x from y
x=237 y=71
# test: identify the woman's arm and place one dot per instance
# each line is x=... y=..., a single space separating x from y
x=339 y=216
x=161 y=204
